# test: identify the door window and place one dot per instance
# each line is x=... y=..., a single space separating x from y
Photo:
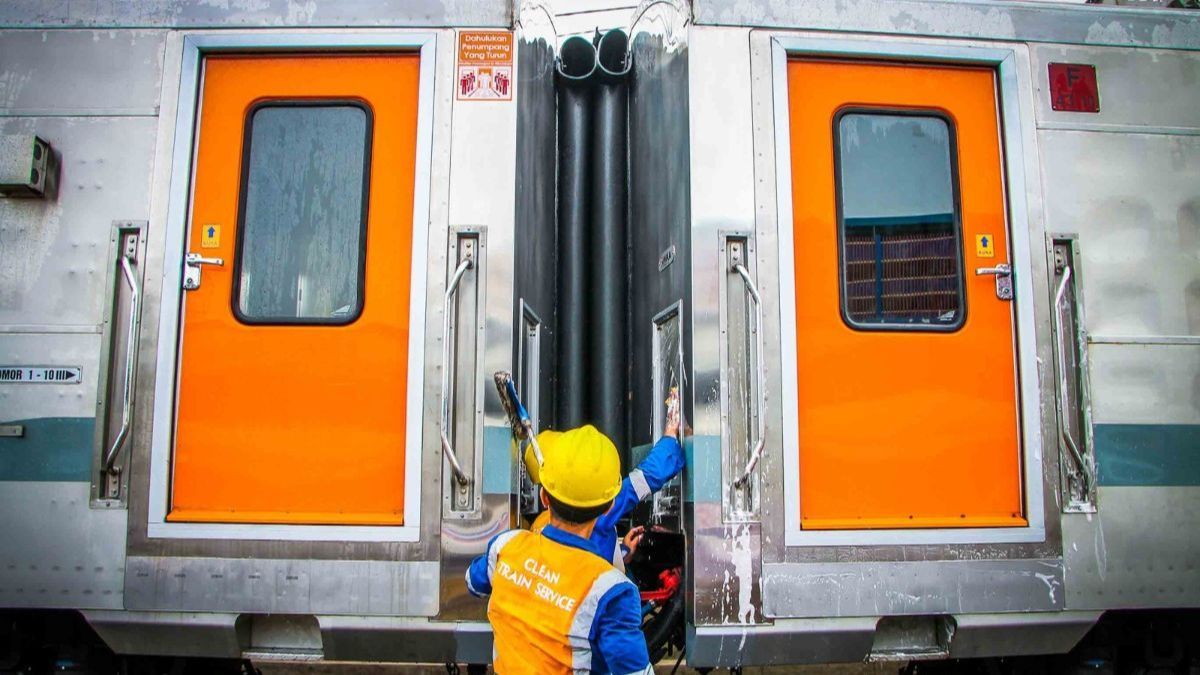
x=304 y=213
x=898 y=221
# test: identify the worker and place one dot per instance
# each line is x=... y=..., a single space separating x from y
x=556 y=605
x=665 y=461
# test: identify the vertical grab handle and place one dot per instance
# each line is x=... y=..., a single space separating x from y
x=760 y=376
x=131 y=349
x=447 y=447
x=1085 y=469
x=1078 y=475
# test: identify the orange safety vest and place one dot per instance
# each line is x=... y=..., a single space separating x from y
x=544 y=599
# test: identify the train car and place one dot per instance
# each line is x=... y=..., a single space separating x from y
x=926 y=274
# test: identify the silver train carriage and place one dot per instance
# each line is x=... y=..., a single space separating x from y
x=926 y=273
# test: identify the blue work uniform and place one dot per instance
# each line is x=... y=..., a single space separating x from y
x=557 y=606
x=664 y=462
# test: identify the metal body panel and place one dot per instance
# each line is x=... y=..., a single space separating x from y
x=252 y=13
x=55 y=252
x=1140 y=89
x=786 y=641
x=978 y=19
x=281 y=586
x=482 y=185
x=342 y=638
x=204 y=634
x=67 y=72
x=29 y=401
x=793 y=641
x=983 y=635
x=1113 y=560
x=62 y=554
x=725 y=557
x=1145 y=384
x=811 y=590
x=1137 y=215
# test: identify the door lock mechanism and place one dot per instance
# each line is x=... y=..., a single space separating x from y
x=191 y=269
x=1003 y=273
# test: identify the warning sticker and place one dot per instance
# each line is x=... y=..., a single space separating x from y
x=210 y=236
x=985 y=247
x=485 y=65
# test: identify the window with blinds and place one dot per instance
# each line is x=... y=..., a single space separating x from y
x=898 y=220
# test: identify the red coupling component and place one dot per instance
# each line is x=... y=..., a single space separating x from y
x=670 y=580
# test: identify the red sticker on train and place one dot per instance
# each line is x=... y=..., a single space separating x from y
x=1073 y=88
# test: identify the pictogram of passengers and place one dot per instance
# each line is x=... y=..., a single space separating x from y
x=484 y=83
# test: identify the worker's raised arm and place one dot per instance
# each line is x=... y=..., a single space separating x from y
x=617 y=632
x=479 y=573
x=665 y=461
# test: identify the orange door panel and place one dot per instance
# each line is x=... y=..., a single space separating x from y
x=906 y=383
x=293 y=364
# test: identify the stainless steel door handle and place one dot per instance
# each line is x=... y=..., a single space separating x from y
x=1003 y=273
x=191 y=269
x=1003 y=269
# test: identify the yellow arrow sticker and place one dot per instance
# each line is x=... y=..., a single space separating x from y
x=985 y=247
x=210 y=236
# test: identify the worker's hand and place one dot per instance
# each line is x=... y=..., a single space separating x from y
x=632 y=538
x=673 y=413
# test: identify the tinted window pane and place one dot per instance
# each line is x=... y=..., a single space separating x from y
x=303 y=221
x=900 y=249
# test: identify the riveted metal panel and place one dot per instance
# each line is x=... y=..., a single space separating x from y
x=71 y=72
x=288 y=586
x=1114 y=560
x=979 y=19
x=255 y=13
x=1140 y=89
x=55 y=254
x=58 y=553
x=924 y=587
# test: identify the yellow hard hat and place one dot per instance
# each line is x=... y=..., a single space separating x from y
x=582 y=469
x=546 y=441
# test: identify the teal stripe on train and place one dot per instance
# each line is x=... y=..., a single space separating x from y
x=703 y=466
x=52 y=449
x=1148 y=454
x=497 y=460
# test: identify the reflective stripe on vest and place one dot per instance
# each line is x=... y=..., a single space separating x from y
x=544 y=601
x=581 y=626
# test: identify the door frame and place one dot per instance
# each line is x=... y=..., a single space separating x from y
x=1016 y=130
x=170 y=327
